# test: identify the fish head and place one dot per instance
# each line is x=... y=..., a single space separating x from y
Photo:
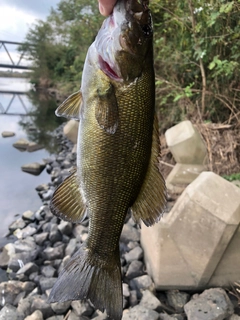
x=124 y=42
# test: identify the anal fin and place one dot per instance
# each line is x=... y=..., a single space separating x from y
x=67 y=202
x=151 y=201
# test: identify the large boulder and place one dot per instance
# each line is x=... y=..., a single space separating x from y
x=196 y=245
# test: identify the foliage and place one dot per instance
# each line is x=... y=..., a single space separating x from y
x=197 y=59
x=197 y=54
x=232 y=177
x=58 y=46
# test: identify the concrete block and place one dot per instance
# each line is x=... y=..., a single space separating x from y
x=71 y=130
x=185 y=249
x=183 y=174
x=186 y=144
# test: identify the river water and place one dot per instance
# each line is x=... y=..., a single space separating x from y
x=17 y=188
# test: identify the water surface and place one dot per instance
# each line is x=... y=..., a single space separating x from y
x=17 y=188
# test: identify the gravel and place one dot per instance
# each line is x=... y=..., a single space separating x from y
x=43 y=244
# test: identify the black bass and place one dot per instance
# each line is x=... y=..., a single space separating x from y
x=117 y=156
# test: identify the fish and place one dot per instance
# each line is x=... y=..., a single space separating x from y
x=118 y=151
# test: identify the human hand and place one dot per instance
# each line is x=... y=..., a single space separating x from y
x=106 y=6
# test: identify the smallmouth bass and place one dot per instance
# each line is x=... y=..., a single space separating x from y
x=117 y=155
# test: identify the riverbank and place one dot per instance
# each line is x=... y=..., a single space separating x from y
x=43 y=244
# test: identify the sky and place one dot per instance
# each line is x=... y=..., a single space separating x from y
x=16 y=16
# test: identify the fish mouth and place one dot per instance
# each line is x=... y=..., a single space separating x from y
x=123 y=31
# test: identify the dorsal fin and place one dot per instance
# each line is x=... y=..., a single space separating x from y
x=151 y=201
x=70 y=108
x=67 y=202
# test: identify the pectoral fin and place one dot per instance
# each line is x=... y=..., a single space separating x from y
x=151 y=201
x=106 y=111
x=70 y=108
x=67 y=202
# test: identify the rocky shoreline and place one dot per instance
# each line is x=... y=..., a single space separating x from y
x=43 y=244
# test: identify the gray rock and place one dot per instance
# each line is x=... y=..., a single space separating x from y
x=66 y=164
x=129 y=233
x=18 y=260
x=4 y=258
x=126 y=292
x=57 y=318
x=142 y=283
x=65 y=227
x=165 y=316
x=40 y=214
x=132 y=244
x=61 y=307
x=71 y=247
x=34 y=168
x=135 y=269
x=24 y=306
x=134 y=254
x=28 y=268
x=3 y=276
x=78 y=231
x=140 y=313
x=7 y=134
x=32 y=146
x=177 y=299
x=42 y=187
x=28 y=215
x=54 y=253
x=36 y=315
x=234 y=317
x=47 y=195
x=21 y=144
x=9 y=291
x=41 y=238
x=55 y=235
x=46 y=283
x=10 y=313
x=40 y=304
x=25 y=232
x=82 y=308
x=133 y=299
x=48 y=271
x=18 y=224
x=63 y=263
x=150 y=301
x=25 y=245
x=98 y=315
x=73 y=316
x=212 y=304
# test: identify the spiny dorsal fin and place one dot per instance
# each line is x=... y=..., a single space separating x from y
x=67 y=202
x=151 y=201
x=70 y=108
x=106 y=111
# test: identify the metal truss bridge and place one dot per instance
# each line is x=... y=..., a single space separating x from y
x=5 y=44
x=5 y=110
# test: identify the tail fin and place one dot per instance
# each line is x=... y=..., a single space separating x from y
x=89 y=277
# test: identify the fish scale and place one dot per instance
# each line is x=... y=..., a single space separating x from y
x=117 y=156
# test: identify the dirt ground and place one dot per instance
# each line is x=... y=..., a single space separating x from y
x=223 y=145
